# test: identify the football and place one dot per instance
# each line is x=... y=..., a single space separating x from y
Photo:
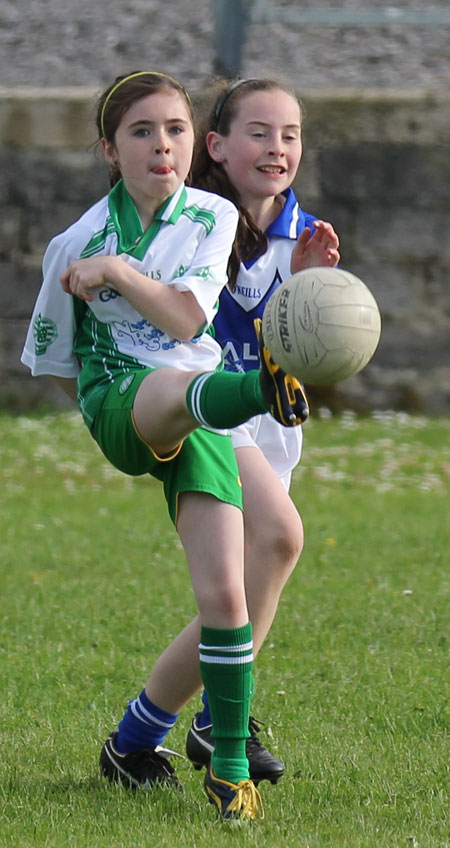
x=322 y=325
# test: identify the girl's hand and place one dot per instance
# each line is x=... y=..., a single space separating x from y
x=85 y=274
x=320 y=248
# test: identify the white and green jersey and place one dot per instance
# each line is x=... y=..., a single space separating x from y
x=186 y=246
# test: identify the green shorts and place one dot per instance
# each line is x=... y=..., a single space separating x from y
x=204 y=462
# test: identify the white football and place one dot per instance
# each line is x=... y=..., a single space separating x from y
x=322 y=325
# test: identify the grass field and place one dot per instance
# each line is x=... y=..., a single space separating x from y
x=353 y=682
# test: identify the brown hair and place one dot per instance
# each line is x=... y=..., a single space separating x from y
x=250 y=242
x=117 y=98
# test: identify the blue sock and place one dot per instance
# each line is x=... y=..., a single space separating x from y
x=205 y=716
x=144 y=725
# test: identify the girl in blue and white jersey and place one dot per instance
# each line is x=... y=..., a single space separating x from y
x=122 y=322
x=249 y=150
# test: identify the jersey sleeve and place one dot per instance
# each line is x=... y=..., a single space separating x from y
x=49 y=342
x=207 y=275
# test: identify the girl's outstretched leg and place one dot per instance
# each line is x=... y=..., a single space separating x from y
x=170 y=404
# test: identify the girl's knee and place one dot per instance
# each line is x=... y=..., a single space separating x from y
x=224 y=604
x=280 y=543
x=287 y=546
x=278 y=549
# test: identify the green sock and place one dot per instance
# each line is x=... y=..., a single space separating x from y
x=223 y=399
x=226 y=662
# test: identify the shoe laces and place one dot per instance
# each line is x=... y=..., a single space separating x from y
x=247 y=801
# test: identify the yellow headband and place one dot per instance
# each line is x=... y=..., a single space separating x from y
x=126 y=79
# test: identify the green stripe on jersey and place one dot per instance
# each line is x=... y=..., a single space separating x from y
x=202 y=216
x=98 y=240
x=102 y=362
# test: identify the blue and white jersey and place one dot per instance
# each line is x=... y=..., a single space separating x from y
x=235 y=331
x=256 y=282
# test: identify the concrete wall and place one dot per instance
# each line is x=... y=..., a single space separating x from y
x=375 y=163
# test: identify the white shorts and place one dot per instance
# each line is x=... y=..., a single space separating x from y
x=282 y=446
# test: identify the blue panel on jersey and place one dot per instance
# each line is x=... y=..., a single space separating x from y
x=234 y=322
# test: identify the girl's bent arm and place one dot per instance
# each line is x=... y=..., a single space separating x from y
x=175 y=312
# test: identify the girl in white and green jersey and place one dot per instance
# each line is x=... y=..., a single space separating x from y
x=122 y=322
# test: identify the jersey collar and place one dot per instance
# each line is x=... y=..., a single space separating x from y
x=130 y=236
x=291 y=220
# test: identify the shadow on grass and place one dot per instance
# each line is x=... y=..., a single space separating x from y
x=74 y=791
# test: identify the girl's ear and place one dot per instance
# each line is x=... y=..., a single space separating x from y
x=215 y=145
x=109 y=152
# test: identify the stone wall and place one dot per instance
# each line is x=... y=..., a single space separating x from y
x=375 y=163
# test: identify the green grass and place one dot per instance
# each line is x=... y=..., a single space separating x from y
x=353 y=682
